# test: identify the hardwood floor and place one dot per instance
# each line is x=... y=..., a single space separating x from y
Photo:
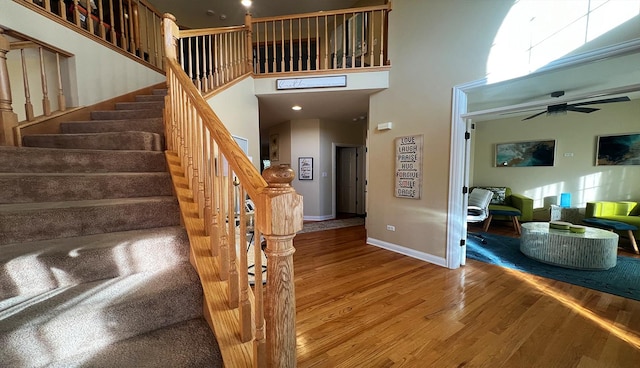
x=362 y=306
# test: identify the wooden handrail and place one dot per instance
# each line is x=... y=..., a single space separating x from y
x=209 y=31
x=386 y=7
x=221 y=177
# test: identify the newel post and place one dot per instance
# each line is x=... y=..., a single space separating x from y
x=8 y=119
x=170 y=35
x=281 y=220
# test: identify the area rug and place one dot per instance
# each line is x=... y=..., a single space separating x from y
x=331 y=224
x=622 y=280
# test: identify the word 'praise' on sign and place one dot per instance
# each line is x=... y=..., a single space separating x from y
x=409 y=167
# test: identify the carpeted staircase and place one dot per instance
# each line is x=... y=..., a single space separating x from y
x=94 y=265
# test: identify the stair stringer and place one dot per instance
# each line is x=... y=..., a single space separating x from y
x=223 y=320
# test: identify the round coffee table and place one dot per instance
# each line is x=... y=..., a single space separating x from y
x=595 y=249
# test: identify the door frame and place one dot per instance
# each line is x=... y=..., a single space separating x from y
x=360 y=185
x=459 y=164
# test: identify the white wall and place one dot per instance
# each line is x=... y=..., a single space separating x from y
x=237 y=108
x=576 y=136
x=305 y=142
x=98 y=73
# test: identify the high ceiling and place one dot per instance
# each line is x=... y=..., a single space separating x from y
x=222 y=13
x=526 y=93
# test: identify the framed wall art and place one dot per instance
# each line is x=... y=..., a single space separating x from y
x=305 y=168
x=523 y=154
x=621 y=149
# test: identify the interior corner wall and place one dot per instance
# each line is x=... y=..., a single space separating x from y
x=282 y=133
x=574 y=170
x=305 y=142
x=433 y=46
x=237 y=108
x=100 y=73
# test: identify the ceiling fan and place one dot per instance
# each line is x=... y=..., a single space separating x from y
x=577 y=107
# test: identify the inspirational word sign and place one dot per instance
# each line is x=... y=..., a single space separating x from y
x=409 y=167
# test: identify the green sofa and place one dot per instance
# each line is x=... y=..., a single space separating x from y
x=504 y=200
x=622 y=211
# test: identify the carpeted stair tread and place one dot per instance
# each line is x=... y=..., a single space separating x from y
x=52 y=187
x=35 y=159
x=85 y=317
x=34 y=267
x=140 y=105
x=133 y=140
x=24 y=222
x=126 y=114
x=159 y=92
x=153 y=125
x=184 y=344
x=148 y=98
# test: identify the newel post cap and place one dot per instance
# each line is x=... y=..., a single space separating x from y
x=279 y=177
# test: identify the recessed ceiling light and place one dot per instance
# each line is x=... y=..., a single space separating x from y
x=246 y=3
x=296 y=107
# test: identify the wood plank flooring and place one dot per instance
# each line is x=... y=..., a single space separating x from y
x=362 y=306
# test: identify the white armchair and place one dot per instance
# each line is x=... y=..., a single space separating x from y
x=478 y=209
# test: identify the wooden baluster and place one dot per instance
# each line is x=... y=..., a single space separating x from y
x=145 y=47
x=248 y=22
x=63 y=9
x=198 y=80
x=189 y=121
x=28 y=107
x=259 y=342
x=206 y=166
x=234 y=287
x=383 y=26
x=279 y=230
x=363 y=39
x=371 y=43
x=290 y=44
x=225 y=219
x=266 y=48
x=275 y=69
x=62 y=105
x=244 y=310
x=8 y=119
x=154 y=26
x=47 y=6
x=132 y=41
x=282 y=45
x=215 y=199
x=211 y=53
x=190 y=60
x=123 y=36
x=317 y=45
x=87 y=5
x=46 y=104
x=335 y=42
x=76 y=13
x=112 y=28
x=326 y=43
x=344 y=41
x=299 y=43
x=216 y=60
x=352 y=40
x=308 y=44
x=101 y=28
x=201 y=166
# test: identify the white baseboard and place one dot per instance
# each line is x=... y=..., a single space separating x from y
x=318 y=218
x=408 y=252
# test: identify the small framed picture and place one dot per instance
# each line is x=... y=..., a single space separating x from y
x=305 y=168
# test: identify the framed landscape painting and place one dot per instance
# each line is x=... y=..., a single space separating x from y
x=522 y=154
x=622 y=149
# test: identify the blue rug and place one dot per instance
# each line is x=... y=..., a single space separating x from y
x=622 y=280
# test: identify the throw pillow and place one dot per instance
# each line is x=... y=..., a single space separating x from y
x=499 y=194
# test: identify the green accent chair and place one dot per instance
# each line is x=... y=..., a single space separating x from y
x=506 y=205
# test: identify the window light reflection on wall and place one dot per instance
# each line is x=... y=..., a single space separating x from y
x=536 y=32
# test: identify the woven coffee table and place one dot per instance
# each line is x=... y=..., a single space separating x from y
x=595 y=249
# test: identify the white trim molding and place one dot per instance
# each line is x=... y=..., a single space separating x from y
x=439 y=261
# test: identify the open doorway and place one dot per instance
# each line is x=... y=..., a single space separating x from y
x=349 y=181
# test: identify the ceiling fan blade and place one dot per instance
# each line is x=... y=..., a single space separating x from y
x=535 y=115
x=518 y=112
x=604 y=101
x=581 y=109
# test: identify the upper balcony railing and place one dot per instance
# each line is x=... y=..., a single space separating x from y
x=131 y=26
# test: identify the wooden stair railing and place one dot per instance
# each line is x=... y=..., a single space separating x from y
x=131 y=27
x=221 y=178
